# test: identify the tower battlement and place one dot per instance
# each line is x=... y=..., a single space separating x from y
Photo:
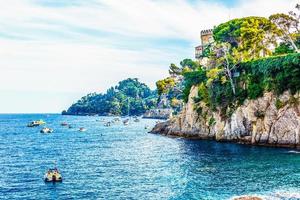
x=206 y=32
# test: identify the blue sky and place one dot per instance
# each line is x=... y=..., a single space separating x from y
x=52 y=52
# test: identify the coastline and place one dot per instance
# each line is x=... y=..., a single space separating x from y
x=190 y=137
x=276 y=127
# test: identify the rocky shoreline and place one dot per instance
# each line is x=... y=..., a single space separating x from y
x=267 y=121
x=158 y=114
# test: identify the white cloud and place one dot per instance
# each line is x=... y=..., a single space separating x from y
x=90 y=47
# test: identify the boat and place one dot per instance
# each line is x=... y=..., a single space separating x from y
x=117 y=119
x=64 y=124
x=146 y=127
x=46 y=130
x=81 y=129
x=136 y=120
x=53 y=175
x=36 y=123
x=107 y=124
x=70 y=126
x=126 y=122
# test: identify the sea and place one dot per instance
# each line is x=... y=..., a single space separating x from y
x=127 y=162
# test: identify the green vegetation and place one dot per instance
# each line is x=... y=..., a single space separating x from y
x=170 y=89
x=245 y=61
x=192 y=78
x=164 y=85
x=276 y=74
x=272 y=74
x=288 y=27
x=279 y=104
x=129 y=95
x=247 y=37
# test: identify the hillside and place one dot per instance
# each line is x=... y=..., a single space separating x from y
x=129 y=97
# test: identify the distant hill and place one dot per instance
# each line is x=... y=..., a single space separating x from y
x=129 y=97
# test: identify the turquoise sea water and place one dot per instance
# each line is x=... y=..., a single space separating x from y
x=126 y=162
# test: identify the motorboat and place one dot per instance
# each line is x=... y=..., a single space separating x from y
x=136 y=120
x=81 y=129
x=126 y=122
x=46 y=130
x=36 y=123
x=117 y=119
x=107 y=124
x=53 y=175
x=64 y=124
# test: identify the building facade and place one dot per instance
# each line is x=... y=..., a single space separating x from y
x=206 y=37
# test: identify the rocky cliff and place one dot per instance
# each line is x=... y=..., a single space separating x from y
x=269 y=120
x=164 y=113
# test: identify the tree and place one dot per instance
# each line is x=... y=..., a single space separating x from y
x=288 y=27
x=192 y=65
x=164 y=85
x=174 y=70
x=296 y=16
x=250 y=36
x=228 y=59
x=241 y=40
x=283 y=48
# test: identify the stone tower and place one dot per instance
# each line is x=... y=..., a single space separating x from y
x=206 y=37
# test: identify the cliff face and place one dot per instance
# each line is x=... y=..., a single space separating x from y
x=269 y=120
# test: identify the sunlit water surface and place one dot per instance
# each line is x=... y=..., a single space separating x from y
x=126 y=162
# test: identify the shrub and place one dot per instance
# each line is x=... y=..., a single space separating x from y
x=212 y=121
x=279 y=104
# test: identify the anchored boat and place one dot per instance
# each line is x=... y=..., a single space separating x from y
x=82 y=129
x=126 y=122
x=107 y=124
x=46 y=130
x=64 y=124
x=36 y=123
x=53 y=175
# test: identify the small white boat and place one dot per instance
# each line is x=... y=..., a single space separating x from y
x=146 y=127
x=126 y=122
x=107 y=124
x=116 y=119
x=46 y=130
x=82 y=129
x=53 y=175
x=136 y=120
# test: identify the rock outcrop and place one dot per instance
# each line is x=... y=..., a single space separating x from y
x=269 y=120
x=164 y=113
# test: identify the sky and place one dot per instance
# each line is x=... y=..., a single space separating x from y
x=52 y=52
